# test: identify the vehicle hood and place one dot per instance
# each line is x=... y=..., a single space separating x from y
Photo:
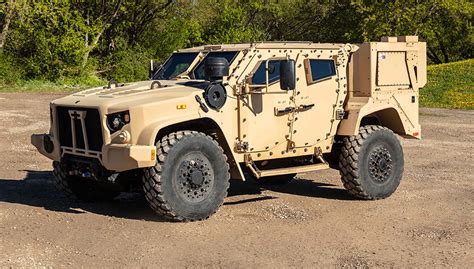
x=132 y=94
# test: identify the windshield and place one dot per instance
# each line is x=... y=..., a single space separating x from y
x=176 y=64
x=198 y=72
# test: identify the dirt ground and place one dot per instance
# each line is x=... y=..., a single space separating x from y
x=311 y=222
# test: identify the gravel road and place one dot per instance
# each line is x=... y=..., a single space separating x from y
x=311 y=222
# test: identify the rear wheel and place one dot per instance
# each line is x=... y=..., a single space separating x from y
x=83 y=188
x=190 y=179
x=371 y=163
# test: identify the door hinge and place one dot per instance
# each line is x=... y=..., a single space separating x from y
x=242 y=146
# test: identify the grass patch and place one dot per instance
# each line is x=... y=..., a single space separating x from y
x=449 y=85
x=62 y=85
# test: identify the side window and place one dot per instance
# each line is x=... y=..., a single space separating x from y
x=259 y=78
x=321 y=69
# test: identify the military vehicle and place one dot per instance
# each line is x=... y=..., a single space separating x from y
x=263 y=110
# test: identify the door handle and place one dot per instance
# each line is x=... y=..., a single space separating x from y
x=282 y=111
x=286 y=110
x=305 y=107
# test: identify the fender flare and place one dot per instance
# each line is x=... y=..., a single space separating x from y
x=149 y=136
x=396 y=123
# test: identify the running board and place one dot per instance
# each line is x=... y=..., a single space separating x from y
x=284 y=171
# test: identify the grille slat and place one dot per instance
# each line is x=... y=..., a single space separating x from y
x=93 y=128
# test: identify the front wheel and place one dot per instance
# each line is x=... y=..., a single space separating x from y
x=82 y=188
x=371 y=163
x=190 y=179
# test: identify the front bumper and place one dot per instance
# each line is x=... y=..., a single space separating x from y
x=123 y=157
x=114 y=157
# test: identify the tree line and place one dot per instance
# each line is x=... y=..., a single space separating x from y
x=53 y=39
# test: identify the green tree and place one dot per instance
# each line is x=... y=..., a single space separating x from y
x=53 y=39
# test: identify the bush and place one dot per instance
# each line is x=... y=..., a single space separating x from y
x=10 y=74
x=130 y=65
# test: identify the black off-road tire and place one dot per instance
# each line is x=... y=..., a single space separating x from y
x=83 y=189
x=190 y=179
x=60 y=180
x=371 y=163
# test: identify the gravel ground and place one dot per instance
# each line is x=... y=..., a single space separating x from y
x=311 y=222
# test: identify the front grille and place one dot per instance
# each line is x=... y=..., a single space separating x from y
x=92 y=124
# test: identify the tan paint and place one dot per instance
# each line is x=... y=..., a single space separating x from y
x=379 y=79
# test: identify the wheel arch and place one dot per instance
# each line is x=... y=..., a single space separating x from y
x=209 y=127
x=388 y=116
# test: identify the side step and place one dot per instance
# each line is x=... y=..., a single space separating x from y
x=284 y=171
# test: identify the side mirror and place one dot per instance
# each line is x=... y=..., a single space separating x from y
x=154 y=67
x=287 y=75
x=216 y=68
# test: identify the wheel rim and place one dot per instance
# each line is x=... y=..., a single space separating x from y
x=380 y=165
x=195 y=178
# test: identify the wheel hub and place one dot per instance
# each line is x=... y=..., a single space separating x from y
x=195 y=178
x=380 y=164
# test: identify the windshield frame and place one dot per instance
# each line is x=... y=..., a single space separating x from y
x=192 y=63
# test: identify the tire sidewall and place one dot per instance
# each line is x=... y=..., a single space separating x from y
x=387 y=139
x=170 y=167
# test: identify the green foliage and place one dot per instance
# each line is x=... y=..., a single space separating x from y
x=449 y=85
x=444 y=24
x=48 y=40
x=65 y=41
x=233 y=23
x=130 y=65
x=10 y=74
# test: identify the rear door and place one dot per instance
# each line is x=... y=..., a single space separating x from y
x=316 y=99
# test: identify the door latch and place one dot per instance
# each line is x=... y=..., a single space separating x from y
x=340 y=114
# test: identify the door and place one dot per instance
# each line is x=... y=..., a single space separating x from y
x=316 y=99
x=259 y=127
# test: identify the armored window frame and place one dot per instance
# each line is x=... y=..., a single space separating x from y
x=311 y=78
x=267 y=81
x=185 y=71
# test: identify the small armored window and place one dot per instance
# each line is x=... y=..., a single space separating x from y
x=260 y=77
x=321 y=69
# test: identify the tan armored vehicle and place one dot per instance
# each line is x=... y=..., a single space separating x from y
x=266 y=110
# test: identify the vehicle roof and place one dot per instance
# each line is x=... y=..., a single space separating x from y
x=265 y=45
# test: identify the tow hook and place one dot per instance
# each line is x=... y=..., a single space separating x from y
x=202 y=104
x=83 y=173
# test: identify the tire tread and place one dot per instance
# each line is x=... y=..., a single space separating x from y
x=152 y=178
x=349 y=163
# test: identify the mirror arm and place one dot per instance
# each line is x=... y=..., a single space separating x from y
x=266 y=75
x=151 y=70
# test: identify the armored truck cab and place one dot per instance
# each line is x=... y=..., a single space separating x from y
x=265 y=110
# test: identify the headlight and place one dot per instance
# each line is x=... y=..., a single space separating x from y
x=116 y=121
